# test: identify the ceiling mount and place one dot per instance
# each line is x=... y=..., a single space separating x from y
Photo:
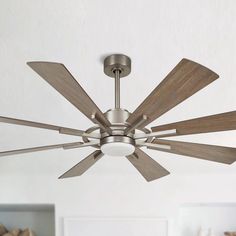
x=119 y=132
x=119 y=62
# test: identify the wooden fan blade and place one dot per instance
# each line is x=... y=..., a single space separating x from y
x=59 y=77
x=214 y=123
x=220 y=154
x=183 y=81
x=37 y=149
x=146 y=166
x=83 y=165
x=14 y=121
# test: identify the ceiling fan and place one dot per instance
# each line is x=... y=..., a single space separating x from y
x=121 y=133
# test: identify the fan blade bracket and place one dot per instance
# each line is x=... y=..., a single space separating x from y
x=71 y=131
x=61 y=130
x=158 y=146
x=142 y=119
x=32 y=124
x=37 y=149
x=225 y=155
x=81 y=145
x=69 y=146
x=134 y=155
x=95 y=136
x=153 y=146
x=155 y=134
x=80 y=133
x=103 y=125
x=98 y=155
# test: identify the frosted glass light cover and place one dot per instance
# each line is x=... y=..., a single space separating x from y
x=117 y=149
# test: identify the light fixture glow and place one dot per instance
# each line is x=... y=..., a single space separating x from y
x=117 y=149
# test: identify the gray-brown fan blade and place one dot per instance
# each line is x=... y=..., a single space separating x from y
x=146 y=166
x=214 y=123
x=37 y=149
x=183 y=81
x=59 y=77
x=83 y=165
x=14 y=121
x=220 y=154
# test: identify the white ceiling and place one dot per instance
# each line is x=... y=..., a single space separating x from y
x=155 y=34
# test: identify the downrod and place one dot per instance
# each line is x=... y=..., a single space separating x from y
x=117 y=88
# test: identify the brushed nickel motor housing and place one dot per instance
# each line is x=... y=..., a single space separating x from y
x=118 y=118
x=117 y=139
x=117 y=62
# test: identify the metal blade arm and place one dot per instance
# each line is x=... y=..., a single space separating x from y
x=49 y=147
x=136 y=124
x=155 y=134
x=226 y=155
x=153 y=145
x=60 y=129
x=80 y=145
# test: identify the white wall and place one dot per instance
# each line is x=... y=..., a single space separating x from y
x=116 y=226
x=122 y=196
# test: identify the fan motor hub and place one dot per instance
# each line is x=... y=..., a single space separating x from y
x=117 y=116
x=117 y=139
